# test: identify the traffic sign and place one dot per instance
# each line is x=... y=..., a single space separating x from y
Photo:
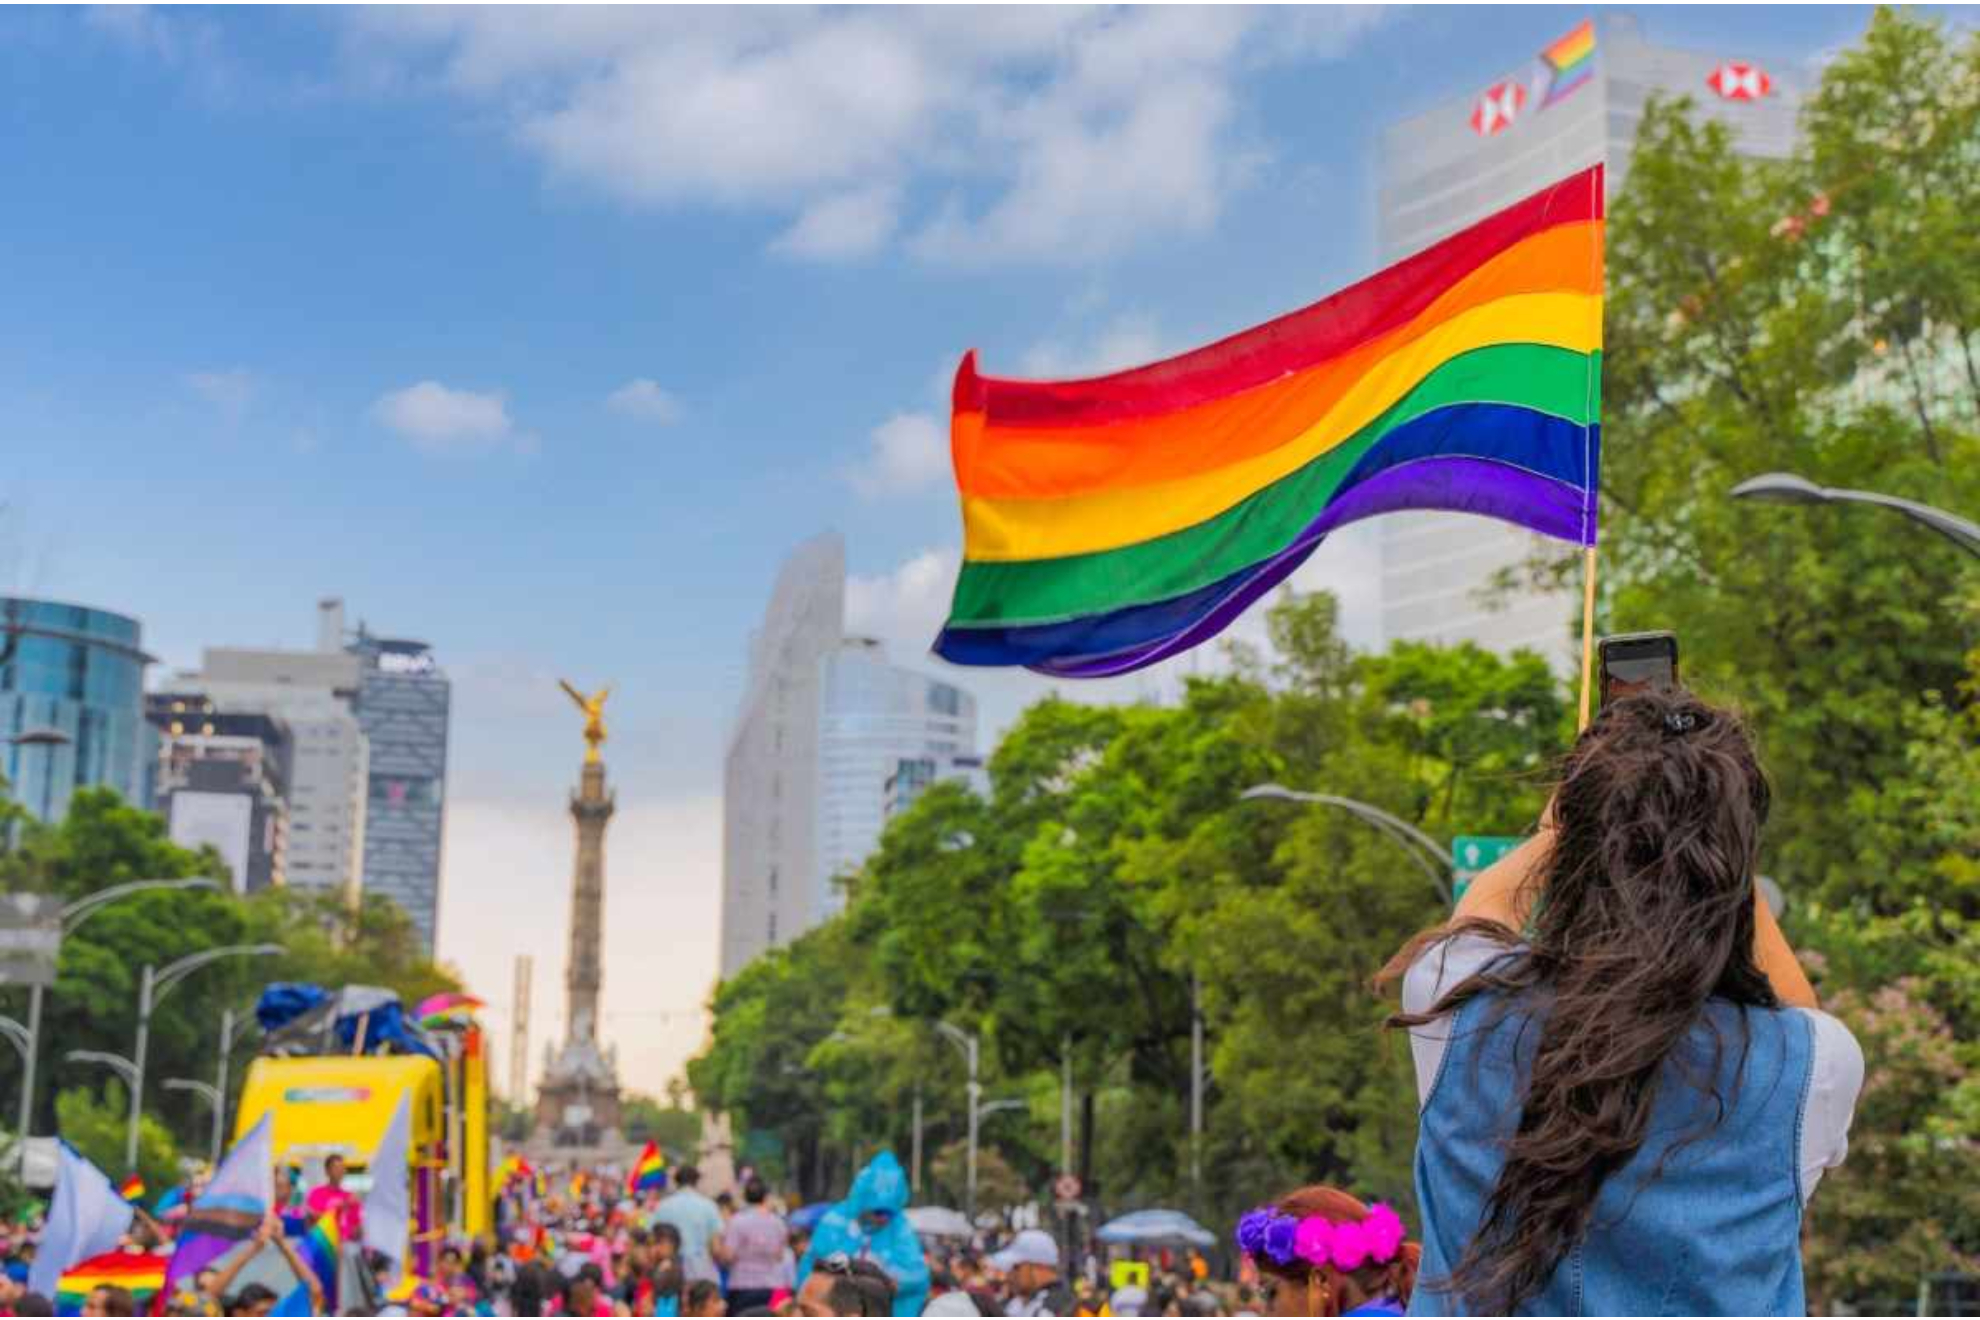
x=1066 y=1187
x=1472 y=853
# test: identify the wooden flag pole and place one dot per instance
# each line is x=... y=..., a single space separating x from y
x=1587 y=632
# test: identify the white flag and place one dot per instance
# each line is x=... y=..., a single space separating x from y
x=388 y=1205
x=86 y=1218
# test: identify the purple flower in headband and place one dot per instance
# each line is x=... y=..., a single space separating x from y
x=1251 y=1231
x=1280 y=1238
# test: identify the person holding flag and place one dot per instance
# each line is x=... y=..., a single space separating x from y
x=649 y=1172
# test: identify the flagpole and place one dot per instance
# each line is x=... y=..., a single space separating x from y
x=1587 y=631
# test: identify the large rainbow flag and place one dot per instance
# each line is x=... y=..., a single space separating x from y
x=139 y=1273
x=1113 y=522
x=320 y=1244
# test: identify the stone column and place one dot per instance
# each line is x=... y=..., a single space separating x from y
x=591 y=808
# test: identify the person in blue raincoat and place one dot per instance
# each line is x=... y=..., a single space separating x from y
x=871 y=1223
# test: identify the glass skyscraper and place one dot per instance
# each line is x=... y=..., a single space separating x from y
x=71 y=702
x=403 y=702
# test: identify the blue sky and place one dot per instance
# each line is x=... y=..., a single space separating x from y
x=543 y=335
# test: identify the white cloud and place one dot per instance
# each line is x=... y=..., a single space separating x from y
x=439 y=420
x=905 y=607
x=645 y=400
x=230 y=391
x=1129 y=340
x=1043 y=133
x=842 y=226
x=910 y=452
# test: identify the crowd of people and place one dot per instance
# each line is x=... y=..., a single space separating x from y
x=1627 y=1096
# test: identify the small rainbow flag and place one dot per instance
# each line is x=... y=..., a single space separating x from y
x=139 y=1273
x=321 y=1244
x=132 y=1188
x=1571 y=61
x=1113 y=522
x=649 y=1171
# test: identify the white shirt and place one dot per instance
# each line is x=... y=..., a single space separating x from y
x=1835 y=1070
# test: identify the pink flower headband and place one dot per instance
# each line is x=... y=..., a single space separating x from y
x=1347 y=1245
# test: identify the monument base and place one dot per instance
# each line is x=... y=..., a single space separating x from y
x=577 y=1103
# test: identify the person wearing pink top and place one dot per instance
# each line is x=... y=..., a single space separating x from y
x=332 y=1196
x=756 y=1242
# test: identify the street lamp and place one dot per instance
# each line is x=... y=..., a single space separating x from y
x=969 y=1043
x=72 y=916
x=209 y=1093
x=1421 y=847
x=1787 y=488
x=153 y=986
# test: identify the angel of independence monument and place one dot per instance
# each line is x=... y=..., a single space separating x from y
x=577 y=1106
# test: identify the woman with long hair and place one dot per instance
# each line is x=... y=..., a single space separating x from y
x=1627 y=1093
x=1319 y=1251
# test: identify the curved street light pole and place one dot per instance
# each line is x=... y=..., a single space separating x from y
x=1421 y=847
x=207 y=1092
x=73 y=915
x=1788 y=488
x=970 y=1045
x=153 y=986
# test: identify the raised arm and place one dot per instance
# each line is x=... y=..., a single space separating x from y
x=269 y=1228
x=303 y=1272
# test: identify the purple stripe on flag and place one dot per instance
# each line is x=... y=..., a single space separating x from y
x=1455 y=484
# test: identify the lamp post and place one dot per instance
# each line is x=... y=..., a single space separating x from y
x=1421 y=847
x=209 y=1093
x=153 y=986
x=73 y=916
x=1788 y=488
x=969 y=1043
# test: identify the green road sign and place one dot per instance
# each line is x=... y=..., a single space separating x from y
x=1472 y=853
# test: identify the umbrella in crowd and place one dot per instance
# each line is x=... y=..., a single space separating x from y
x=1157 y=1227
x=938 y=1221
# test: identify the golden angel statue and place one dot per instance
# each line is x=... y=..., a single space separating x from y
x=593 y=707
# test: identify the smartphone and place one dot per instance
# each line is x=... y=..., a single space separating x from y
x=1636 y=662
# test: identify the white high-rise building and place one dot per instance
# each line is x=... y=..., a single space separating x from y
x=874 y=715
x=825 y=722
x=1455 y=164
x=330 y=758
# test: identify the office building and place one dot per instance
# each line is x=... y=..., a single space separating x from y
x=1573 y=104
x=403 y=705
x=71 y=703
x=825 y=722
x=914 y=775
x=221 y=781
x=313 y=693
x=872 y=716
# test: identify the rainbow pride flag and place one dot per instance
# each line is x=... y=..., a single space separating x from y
x=139 y=1273
x=448 y=1009
x=1570 y=61
x=1113 y=522
x=649 y=1171
x=132 y=1188
x=320 y=1245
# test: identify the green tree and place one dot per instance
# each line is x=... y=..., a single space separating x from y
x=99 y=1125
x=677 y=1130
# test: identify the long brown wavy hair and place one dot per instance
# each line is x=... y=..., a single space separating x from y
x=1395 y=1279
x=1643 y=912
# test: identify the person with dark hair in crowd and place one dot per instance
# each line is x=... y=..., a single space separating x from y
x=697 y=1225
x=1627 y=1091
x=704 y=1299
x=758 y=1247
x=1320 y=1251
x=585 y=1294
x=532 y=1291
x=841 y=1285
x=33 y=1303
x=109 y=1299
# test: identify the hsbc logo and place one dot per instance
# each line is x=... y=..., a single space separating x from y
x=1497 y=107
x=1736 y=81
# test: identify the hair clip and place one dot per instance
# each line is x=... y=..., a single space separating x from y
x=1679 y=722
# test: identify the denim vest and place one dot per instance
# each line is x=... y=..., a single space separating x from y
x=1715 y=1232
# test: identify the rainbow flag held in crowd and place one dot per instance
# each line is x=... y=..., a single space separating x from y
x=649 y=1171
x=1113 y=522
x=138 y=1273
x=320 y=1244
x=132 y=1188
